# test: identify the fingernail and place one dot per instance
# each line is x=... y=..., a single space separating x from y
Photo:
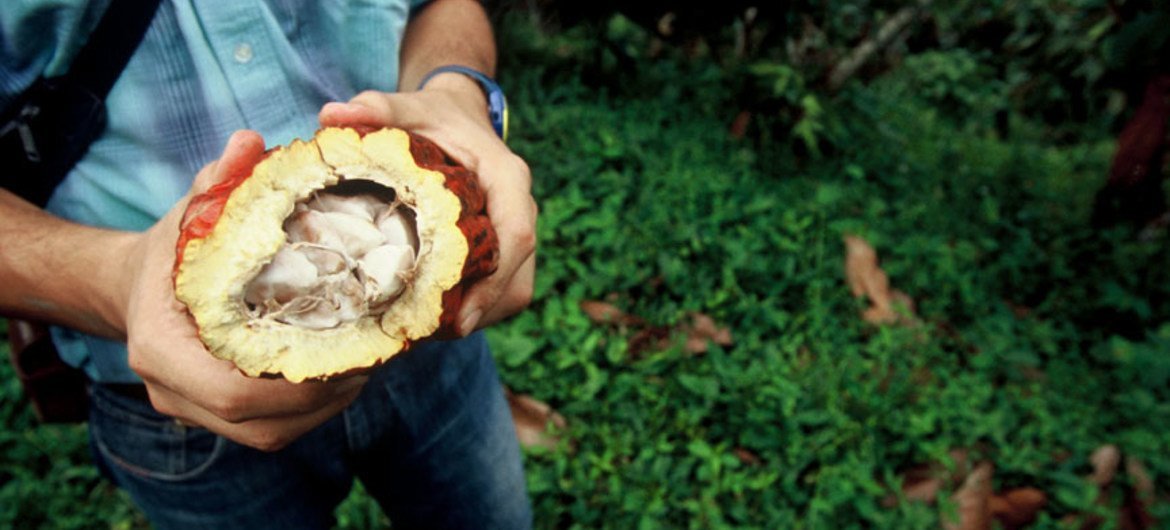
x=469 y=321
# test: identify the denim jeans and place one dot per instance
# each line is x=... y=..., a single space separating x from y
x=430 y=437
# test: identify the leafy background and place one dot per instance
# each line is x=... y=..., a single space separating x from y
x=714 y=169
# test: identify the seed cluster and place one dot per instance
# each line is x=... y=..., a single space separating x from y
x=346 y=256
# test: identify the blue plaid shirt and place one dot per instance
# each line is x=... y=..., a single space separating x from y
x=205 y=69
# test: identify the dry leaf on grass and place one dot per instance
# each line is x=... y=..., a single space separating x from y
x=920 y=483
x=649 y=338
x=972 y=501
x=1017 y=508
x=1143 y=485
x=922 y=489
x=698 y=333
x=861 y=269
x=606 y=313
x=739 y=124
x=703 y=330
x=866 y=278
x=976 y=503
x=531 y=418
x=746 y=456
x=923 y=482
x=1105 y=461
x=1134 y=513
x=1142 y=495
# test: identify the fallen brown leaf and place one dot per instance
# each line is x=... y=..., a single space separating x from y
x=923 y=482
x=976 y=503
x=746 y=456
x=602 y=312
x=887 y=312
x=666 y=24
x=866 y=278
x=649 y=338
x=1137 y=507
x=972 y=500
x=695 y=345
x=703 y=330
x=923 y=490
x=1143 y=485
x=740 y=124
x=1018 y=507
x=705 y=326
x=531 y=419
x=1105 y=461
x=960 y=459
x=861 y=268
x=698 y=333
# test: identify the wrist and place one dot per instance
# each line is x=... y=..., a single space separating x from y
x=104 y=293
x=461 y=78
x=465 y=90
x=130 y=248
x=457 y=83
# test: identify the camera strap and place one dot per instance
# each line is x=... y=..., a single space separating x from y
x=47 y=129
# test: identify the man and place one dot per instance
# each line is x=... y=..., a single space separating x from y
x=196 y=443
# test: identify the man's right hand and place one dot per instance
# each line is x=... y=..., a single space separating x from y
x=182 y=378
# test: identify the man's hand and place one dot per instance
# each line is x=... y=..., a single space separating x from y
x=182 y=378
x=451 y=111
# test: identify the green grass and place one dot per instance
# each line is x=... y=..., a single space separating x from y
x=1040 y=339
x=46 y=480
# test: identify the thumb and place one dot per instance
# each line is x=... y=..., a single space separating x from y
x=374 y=110
x=243 y=151
x=350 y=115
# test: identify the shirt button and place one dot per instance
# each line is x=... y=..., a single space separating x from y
x=243 y=53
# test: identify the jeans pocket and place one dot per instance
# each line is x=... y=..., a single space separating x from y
x=132 y=437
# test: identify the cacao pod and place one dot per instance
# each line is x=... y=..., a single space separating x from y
x=334 y=254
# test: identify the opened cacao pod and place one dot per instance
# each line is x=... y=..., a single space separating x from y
x=334 y=254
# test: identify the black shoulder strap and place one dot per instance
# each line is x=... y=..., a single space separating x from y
x=51 y=125
x=108 y=49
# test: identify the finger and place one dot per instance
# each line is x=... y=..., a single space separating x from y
x=217 y=387
x=347 y=115
x=373 y=109
x=274 y=398
x=514 y=297
x=507 y=284
x=513 y=213
x=243 y=151
x=266 y=434
x=237 y=399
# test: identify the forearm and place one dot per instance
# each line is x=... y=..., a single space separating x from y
x=447 y=32
x=56 y=271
